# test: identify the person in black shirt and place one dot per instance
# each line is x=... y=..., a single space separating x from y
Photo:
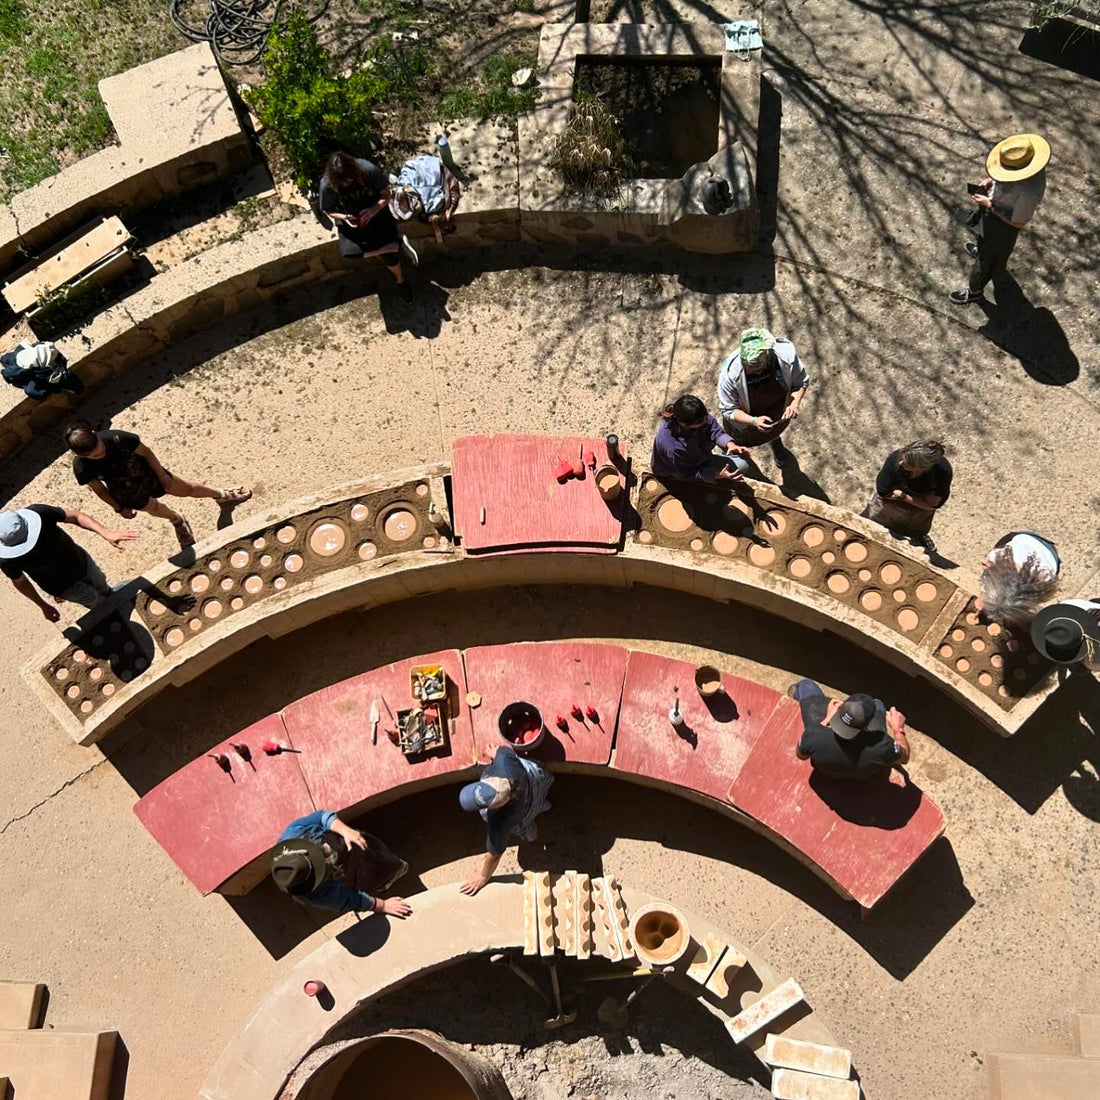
x=128 y=477
x=913 y=484
x=34 y=548
x=855 y=739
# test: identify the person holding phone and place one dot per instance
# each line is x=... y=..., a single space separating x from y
x=684 y=445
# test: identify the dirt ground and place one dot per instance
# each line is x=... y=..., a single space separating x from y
x=990 y=944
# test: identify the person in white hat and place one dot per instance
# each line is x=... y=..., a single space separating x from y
x=34 y=548
x=1006 y=201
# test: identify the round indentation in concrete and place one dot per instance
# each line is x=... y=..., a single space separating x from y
x=864 y=574
x=958 y=634
x=946 y=651
x=108 y=689
x=855 y=552
x=175 y=586
x=286 y=534
x=908 y=619
x=95 y=673
x=327 y=538
x=993 y=629
x=293 y=563
x=737 y=510
x=174 y=636
x=890 y=573
x=72 y=691
x=113 y=658
x=253 y=583
x=399 y=525
x=279 y=583
x=200 y=582
x=813 y=535
x=672 y=517
x=367 y=550
x=977 y=644
x=761 y=555
x=429 y=542
x=972 y=618
x=212 y=608
x=870 y=600
x=926 y=592
x=195 y=624
x=985 y=679
x=997 y=661
x=61 y=674
x=900 y=595
x=778 y=522
x=799 y=567
x=116 y=627
x=155 y=607
x=840 y=534
x=79 y=656
x=962 y=664
x=141 y=663
x=214 y=565
x=1002 y=691
x=238 y=559
x=828 y=557
x=645 y=537
x=128 y=647
x=723 y=543
x=126 y=675
x=265 y=560
x=360 y=512
x=86 y=707
x=226 y=584
x=422 y=489
x=97 y=640
x=838 y=583
x=697 y=544
x=236 y=603
x=259 y=544
x=651 y=485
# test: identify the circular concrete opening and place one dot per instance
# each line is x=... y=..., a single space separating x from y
x=672 y=516
x=660 y=934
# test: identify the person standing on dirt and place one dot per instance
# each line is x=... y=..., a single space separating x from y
x=320 y=861
x=128 y=477
x=760 y=391
x=356 y=196
x=913 y=484
x=34 y=548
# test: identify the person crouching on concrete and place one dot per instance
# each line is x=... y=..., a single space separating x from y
x=684 y=445
x=321 y=861
x=1018 y=577
x=510 y=795
x=913 y=484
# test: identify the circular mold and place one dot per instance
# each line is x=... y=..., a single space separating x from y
x=214 y=565
x=651 y=485
x=95 y=674
x=855 y=552
x=141 y=663
x=840 y=534
x=108 y=689
x=293 y=563
x=997 y=661
x=195 y=624
x=737 y=510
x=697 y=544
x=128 y=647
x=429 y=542
x=265 y=560
x=977 y=644
x=890 y=573
x=422 y=489
x=212 y=608
x=724 y=543
x=799 y=567
x=908 y=619
x=864 y=574
x=946 y=651
x=359 y=512
x=399 y=524
x=279 y=583
x=972 y=618
x=828 y=557
x=126 y=676
x=72 y=691
x=962 y=664
x=97 y=640
x=1002 y=691
x=870 y=600
x=200 y=583
x=253 y=583
x=778 y=522
x=958 y=634
x=286 y=534
x=79 y=656
x=116 y=627
x=645 y=537
x=659 y=933
x=62 y=674
x=238 y=559
x=672 y=517
x=259 y=544
x=367 y=550
x=985 y=679
x=227 y=584
x=236 y=603
x=838 y=583
x=926 y=592
x=327 y=538
x=86 y=707
x=813 y=535
x=993 y=629
x=155 y=607
x=900 y=595
x=761 y=555
x=174 y=637
x=175 y=586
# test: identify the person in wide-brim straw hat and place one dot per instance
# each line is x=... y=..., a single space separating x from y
x=1005 y=201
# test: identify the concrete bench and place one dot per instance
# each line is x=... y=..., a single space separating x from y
x=377 y=956
x=740 y=760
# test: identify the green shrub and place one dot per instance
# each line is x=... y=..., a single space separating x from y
x=591 y=155
x=13 y=20
x=307 y=108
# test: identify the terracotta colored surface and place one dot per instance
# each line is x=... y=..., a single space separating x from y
x=717 y=738
x=512 y=478
x=331 y=727
x=213 y=824
x=864 y=836
x=554 y=676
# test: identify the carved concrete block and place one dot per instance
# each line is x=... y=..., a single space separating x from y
x=659 y=933
x=607 y=943
x=791 y=1084
x=770 y=1007
x=565 y=912
x=530 y=914
x=785 y=1053
x=706 y=958
x=728 y=967
x=620 y=919
x=544 y=897
x=583 y=895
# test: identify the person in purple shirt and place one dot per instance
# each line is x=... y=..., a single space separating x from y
x=685 y=442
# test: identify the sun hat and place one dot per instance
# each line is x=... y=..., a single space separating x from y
x=755 y=342
x=1018 y=157
x=1063 y=633
x=853 y=716
x=19 y=532
x=298 y=866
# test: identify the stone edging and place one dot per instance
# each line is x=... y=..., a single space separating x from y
x=378 y=955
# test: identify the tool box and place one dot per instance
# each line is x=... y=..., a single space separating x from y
x=423 y=727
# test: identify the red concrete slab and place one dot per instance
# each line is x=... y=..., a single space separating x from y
x=331 y=727
x=864 y=836
x=553 y=676
x=718 y=736
x=512 y=478
x=212 y=823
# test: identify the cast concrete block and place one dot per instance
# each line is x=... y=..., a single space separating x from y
x=21 y=1005
x=791 y=1084
x=1088 y=1035
x=787 y=1053
x=764 y=1011
x=58 y=1065
x=1043 y=1077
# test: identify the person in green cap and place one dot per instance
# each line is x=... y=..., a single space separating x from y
x=760 y=391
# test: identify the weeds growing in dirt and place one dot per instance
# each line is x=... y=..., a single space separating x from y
x=590 y=155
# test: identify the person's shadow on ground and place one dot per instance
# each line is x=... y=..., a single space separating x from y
x=1032 y=334
x=423 y=317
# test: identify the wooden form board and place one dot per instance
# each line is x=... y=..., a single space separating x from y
x=213 y=824
x=512 y=478
x=553 y=676
x=91 y=247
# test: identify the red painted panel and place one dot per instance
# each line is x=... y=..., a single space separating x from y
x=718 y=735
x=512 y=478
x=211 y=823
x=865 y=836
x=332 y=729
x=553 y=676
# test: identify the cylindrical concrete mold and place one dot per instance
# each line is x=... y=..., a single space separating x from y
x=660 y=933
x=414 y=1065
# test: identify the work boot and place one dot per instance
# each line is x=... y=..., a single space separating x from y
x=964 y=297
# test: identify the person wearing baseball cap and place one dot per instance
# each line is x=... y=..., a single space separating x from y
x=321 y=861
x=1006 y=200
x=1068 y=633
x=854 y=739
x=34 y=548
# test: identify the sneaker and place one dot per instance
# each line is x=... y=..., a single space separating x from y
x=184 y=533
x=394 y=877
x=964 y=297
x=971 y=249
x=414 y=259
x=900 y=535
x=926 y=542
x=780 y=453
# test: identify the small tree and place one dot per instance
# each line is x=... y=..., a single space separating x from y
x=306 y=107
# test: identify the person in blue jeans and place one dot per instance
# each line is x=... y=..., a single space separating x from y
x=854 y=739
x=323 y=862
x=684 y=445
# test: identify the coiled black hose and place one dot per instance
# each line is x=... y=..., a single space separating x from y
x=236 y=29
